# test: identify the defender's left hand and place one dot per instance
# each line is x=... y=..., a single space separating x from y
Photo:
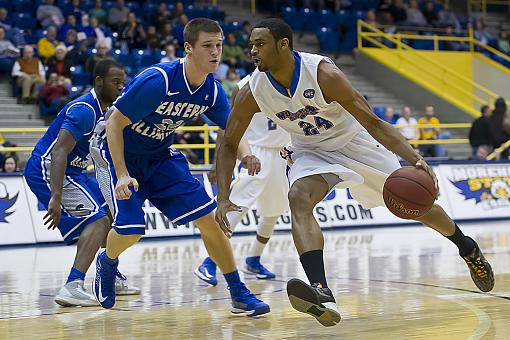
x=252 y=163
x=421 y=164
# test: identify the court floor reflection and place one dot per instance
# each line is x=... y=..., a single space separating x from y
x=390 y=283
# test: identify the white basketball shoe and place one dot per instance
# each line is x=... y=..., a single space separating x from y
x=73 y=294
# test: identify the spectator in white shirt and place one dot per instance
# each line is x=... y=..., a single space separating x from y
x=169 y=53
x=407 y=124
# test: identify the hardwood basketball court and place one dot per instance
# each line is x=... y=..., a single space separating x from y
x=390 y=283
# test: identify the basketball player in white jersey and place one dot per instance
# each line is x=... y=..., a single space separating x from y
x=267 y=191
x=336 y=141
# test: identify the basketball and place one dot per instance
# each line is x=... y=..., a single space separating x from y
x=409 y=192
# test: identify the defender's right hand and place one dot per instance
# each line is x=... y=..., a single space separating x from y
x=52 y=217
x=122 y=190
x=225 y=206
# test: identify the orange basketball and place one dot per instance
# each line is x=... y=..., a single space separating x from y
x=409 y=192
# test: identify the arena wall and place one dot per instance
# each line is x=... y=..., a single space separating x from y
x=467 y=192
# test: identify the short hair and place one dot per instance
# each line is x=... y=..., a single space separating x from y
x=195 y=26
x=103 y=66
x=483 y=108
x=279 y=29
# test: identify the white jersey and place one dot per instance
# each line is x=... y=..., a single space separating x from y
x=262 y=131
x=302 y=110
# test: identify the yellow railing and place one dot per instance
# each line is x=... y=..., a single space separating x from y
x=206 y=146
x=469 y=39
x=482 y=5
x=448 y=78
x=499 y=150
x=439 y=126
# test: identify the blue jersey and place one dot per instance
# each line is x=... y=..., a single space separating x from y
x=159 y=100
x=79 y=117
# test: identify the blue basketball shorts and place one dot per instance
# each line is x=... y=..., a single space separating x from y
x=164 y=180
x=82 y=202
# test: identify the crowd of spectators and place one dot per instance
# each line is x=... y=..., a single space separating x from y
x=398 y=16
x=69 y=39
x=490 y=130
x=486 y=134
x=408 y=127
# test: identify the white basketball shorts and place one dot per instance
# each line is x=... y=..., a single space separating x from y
x=267 y=191
x=363 y=165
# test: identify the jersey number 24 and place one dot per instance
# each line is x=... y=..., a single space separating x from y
x=310 y=130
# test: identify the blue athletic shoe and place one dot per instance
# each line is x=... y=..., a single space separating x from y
x=104 y=283
x=244 y=302
x=253 y=266
x=207 y=272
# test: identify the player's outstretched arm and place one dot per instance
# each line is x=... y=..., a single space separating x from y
x=243 y=109
x=115 y=125
x=64 y=145
x=336 y=87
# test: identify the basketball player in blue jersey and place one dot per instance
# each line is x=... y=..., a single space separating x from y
x=140 y=163
x=54 y=173
x=267 y=191
x=336 y=141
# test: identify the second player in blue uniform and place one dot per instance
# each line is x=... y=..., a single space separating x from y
x=135 y=160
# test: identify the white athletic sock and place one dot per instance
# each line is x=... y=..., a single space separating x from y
x=265 y=230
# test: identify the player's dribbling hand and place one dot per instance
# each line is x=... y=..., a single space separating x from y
x=225 y=206
x=252 y=163
x=52 y=217
x=122 y=190
x=421 y=164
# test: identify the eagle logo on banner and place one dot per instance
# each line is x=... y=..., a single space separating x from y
x=6 y=202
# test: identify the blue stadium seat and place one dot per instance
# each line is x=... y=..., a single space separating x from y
x=126 y=59
x=364 y=5
x=31 y=39
x=423 y=44
x=349 y=40
x=329 y=40
x=358 y=15
x=212 y=12
x=6 y=4
x=82 y=79
x=231 y=27
x=342 y=18
x=149 y=9
x=309 y=19
x=132 y=5
x=108 y=4
x=148 y=60
x=25 y=6
x=290 y=16
x=25 y=22
x=194 y=11
x=326 y=18
x=77 y=69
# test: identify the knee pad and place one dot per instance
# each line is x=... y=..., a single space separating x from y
x=266 y=226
